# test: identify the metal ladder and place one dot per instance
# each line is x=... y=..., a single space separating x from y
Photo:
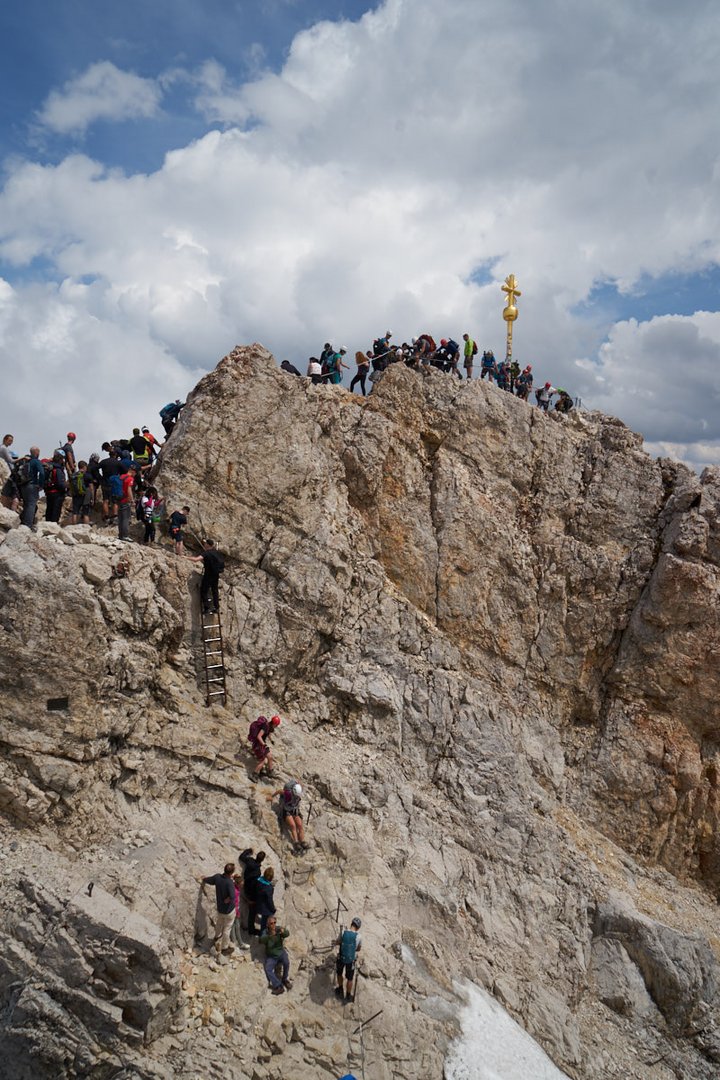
x=214 y=659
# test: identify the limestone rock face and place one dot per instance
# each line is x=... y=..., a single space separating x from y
x=492 y=636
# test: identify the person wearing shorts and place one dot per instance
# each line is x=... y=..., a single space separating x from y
x=350 y=944
x=178 y=518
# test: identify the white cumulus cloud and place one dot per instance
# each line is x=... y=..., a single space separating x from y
x=102 y=92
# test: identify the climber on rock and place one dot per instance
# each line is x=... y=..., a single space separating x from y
x=349 y=943
x=213 y=566
x=290 y=796
x=276 y=956
x=225 y=903
x=544 y=396
x=178 y=518
x=259 y=732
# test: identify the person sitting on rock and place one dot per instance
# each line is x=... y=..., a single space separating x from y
x=259 y=732
x=225 y=903
x=276 y=956
x=213 y=566
x=290 y=796
x=252 y=869
x=349 y=943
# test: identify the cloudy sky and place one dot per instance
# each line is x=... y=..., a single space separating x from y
x=185 y=175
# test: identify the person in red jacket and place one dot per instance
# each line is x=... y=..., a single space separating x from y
x=125 y=503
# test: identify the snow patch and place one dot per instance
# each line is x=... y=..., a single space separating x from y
x=492 y=1046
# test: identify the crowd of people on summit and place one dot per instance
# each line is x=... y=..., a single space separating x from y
x=421 y=354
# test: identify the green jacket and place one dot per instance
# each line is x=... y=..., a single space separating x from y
x=274 y=943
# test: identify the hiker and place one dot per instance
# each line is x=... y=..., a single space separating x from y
x=276 y=954
x=350 y=944
x=235 y=936
x=108 y=467
x=488 y=366
x=425 y=347
x=381 y=345
x=126 y=482
x=149 y=504
x=544 y=396
x=453 y=355
x=523 y=383
x=334 y=366
x=140 y=448
x=55 y=487
x=290 y=796
x=252 y=869
x=213 y=566
x=152 y=443
x=290 y=368
x=564 y=402
x=92 y=476
x=503 y=376
x=31 y=477
x=169 y=416
x=69 y=452
x=514 y=372
x=260 y=731
x=315 y=371
x=362 y=361
x=82 y=495
x=264 y=897
x=225 y=903
x=178 y=518
x=6 y=453
x=469 y=352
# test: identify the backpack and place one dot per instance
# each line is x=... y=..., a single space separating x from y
x=474 y=348
x=167 y=410
x=116 y=486
x=452 y=346
x=51 y=479
x=348 y=946
x=77 y=484
x=255 y=728
x=139 y=510
x=21 y=473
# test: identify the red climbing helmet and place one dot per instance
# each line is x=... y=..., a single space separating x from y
x=443 y=341
x=71 y=435
x=274 y=720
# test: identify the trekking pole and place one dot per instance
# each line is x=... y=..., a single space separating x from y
x=309 y=812
x=364 y=1023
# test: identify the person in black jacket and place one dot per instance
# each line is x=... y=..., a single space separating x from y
x=252 y=869
x=264 y=897
x=213 y=566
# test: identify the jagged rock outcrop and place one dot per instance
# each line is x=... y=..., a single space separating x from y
x=493 y=635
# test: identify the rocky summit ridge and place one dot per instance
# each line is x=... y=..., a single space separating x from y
x=493 y=636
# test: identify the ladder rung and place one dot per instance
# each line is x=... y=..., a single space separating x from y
x=217 y=680
x=210 y=667
x=209 y=639
x=216 y=693
x=214 y=652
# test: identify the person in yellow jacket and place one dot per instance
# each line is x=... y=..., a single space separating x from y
x=469 y=353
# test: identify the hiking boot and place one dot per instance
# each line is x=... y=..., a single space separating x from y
x=229 y=951
x=350 y=997
x=279 y=990
x=304 y=846
x=287 y=984
x=339 y=993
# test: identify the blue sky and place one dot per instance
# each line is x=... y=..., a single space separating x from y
x=182 y=177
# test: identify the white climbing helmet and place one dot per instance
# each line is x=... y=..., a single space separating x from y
x=297 y=790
